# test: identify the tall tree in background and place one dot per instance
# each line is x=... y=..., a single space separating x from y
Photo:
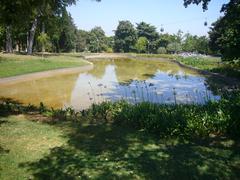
x=11 y=14
x=125 y=37
x=96 y=40
x=81 y=40
x=43 y=8
x=150 y=32
x=68 y=31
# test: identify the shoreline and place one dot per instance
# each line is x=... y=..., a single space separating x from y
x=44 y=74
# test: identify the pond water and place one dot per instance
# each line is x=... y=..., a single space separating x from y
x=112 y=80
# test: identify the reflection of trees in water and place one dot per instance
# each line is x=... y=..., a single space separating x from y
x=99 y=68
x=154 y=81
x=128 y=69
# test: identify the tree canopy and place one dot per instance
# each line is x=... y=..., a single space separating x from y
x=125 y=37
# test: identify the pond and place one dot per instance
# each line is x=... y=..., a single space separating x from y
x=112 y=80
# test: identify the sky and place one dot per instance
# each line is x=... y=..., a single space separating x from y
x=170 y=14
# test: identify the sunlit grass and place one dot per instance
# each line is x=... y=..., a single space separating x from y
x=204 y=63
x=22 y=141
x=11 y=65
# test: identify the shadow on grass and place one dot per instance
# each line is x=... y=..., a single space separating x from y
x=228 y=71
x=111 y=152
x=3 y=151
x=10 y=106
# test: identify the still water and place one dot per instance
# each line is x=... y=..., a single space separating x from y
x=112 y=80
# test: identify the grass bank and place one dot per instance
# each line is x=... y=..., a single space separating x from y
x=121 y=140
x=212 y=64
x=12 y=64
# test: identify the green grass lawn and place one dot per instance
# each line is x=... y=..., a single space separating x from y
x=212 y=64
x=203 y=63
x=12 y=65
x=74 y=150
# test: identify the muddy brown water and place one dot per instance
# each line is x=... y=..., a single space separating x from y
x=113 y=80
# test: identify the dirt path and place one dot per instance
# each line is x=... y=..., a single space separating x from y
x=44 y=74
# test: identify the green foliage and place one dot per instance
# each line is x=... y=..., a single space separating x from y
x=150 y=32
x=67 y=36
x=34 y=149
x=44 y=41
x=96 y=40
x=141 y=45
x=125 y=37
x=109 y=50
x=162 y=50
x=188 y=121
x=81 y=40
x=204 y=3
x=225 y=31
x=176 y=120
x=165 y=39
x=174 y=47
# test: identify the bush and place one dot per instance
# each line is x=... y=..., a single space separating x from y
x=162 y=50
x=109 y=50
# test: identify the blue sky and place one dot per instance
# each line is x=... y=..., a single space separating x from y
x=171 y=13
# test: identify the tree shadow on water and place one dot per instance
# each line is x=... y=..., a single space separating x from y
x=111 y=152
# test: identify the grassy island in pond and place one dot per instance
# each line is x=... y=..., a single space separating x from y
x=12 y=65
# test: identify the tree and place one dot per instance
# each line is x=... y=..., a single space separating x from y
x=224 y=34
x=141 y=45
x=150 y=33
x=11 y=14
x=162 y=50
x=96 y=40
x=189 y=43
x=43 y=40
x=68 y=31
x=125 y=37
x=165 y=39
x=197 y=2
x=195 y=44
x=81 y=40
x=202 y=45
x=174 y=47
x=1 y=37
x=225 y=31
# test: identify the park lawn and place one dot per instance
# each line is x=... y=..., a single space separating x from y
x=204 y=63
x=212 y=64
x=12 y=65
x=74 y=150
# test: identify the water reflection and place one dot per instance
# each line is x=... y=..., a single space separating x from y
x=132 y=80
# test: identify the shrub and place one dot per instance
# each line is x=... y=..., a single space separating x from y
x=162 y=50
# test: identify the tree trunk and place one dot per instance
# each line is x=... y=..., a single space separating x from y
x=9 y=48
x=43 y=31
x=31 y=37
